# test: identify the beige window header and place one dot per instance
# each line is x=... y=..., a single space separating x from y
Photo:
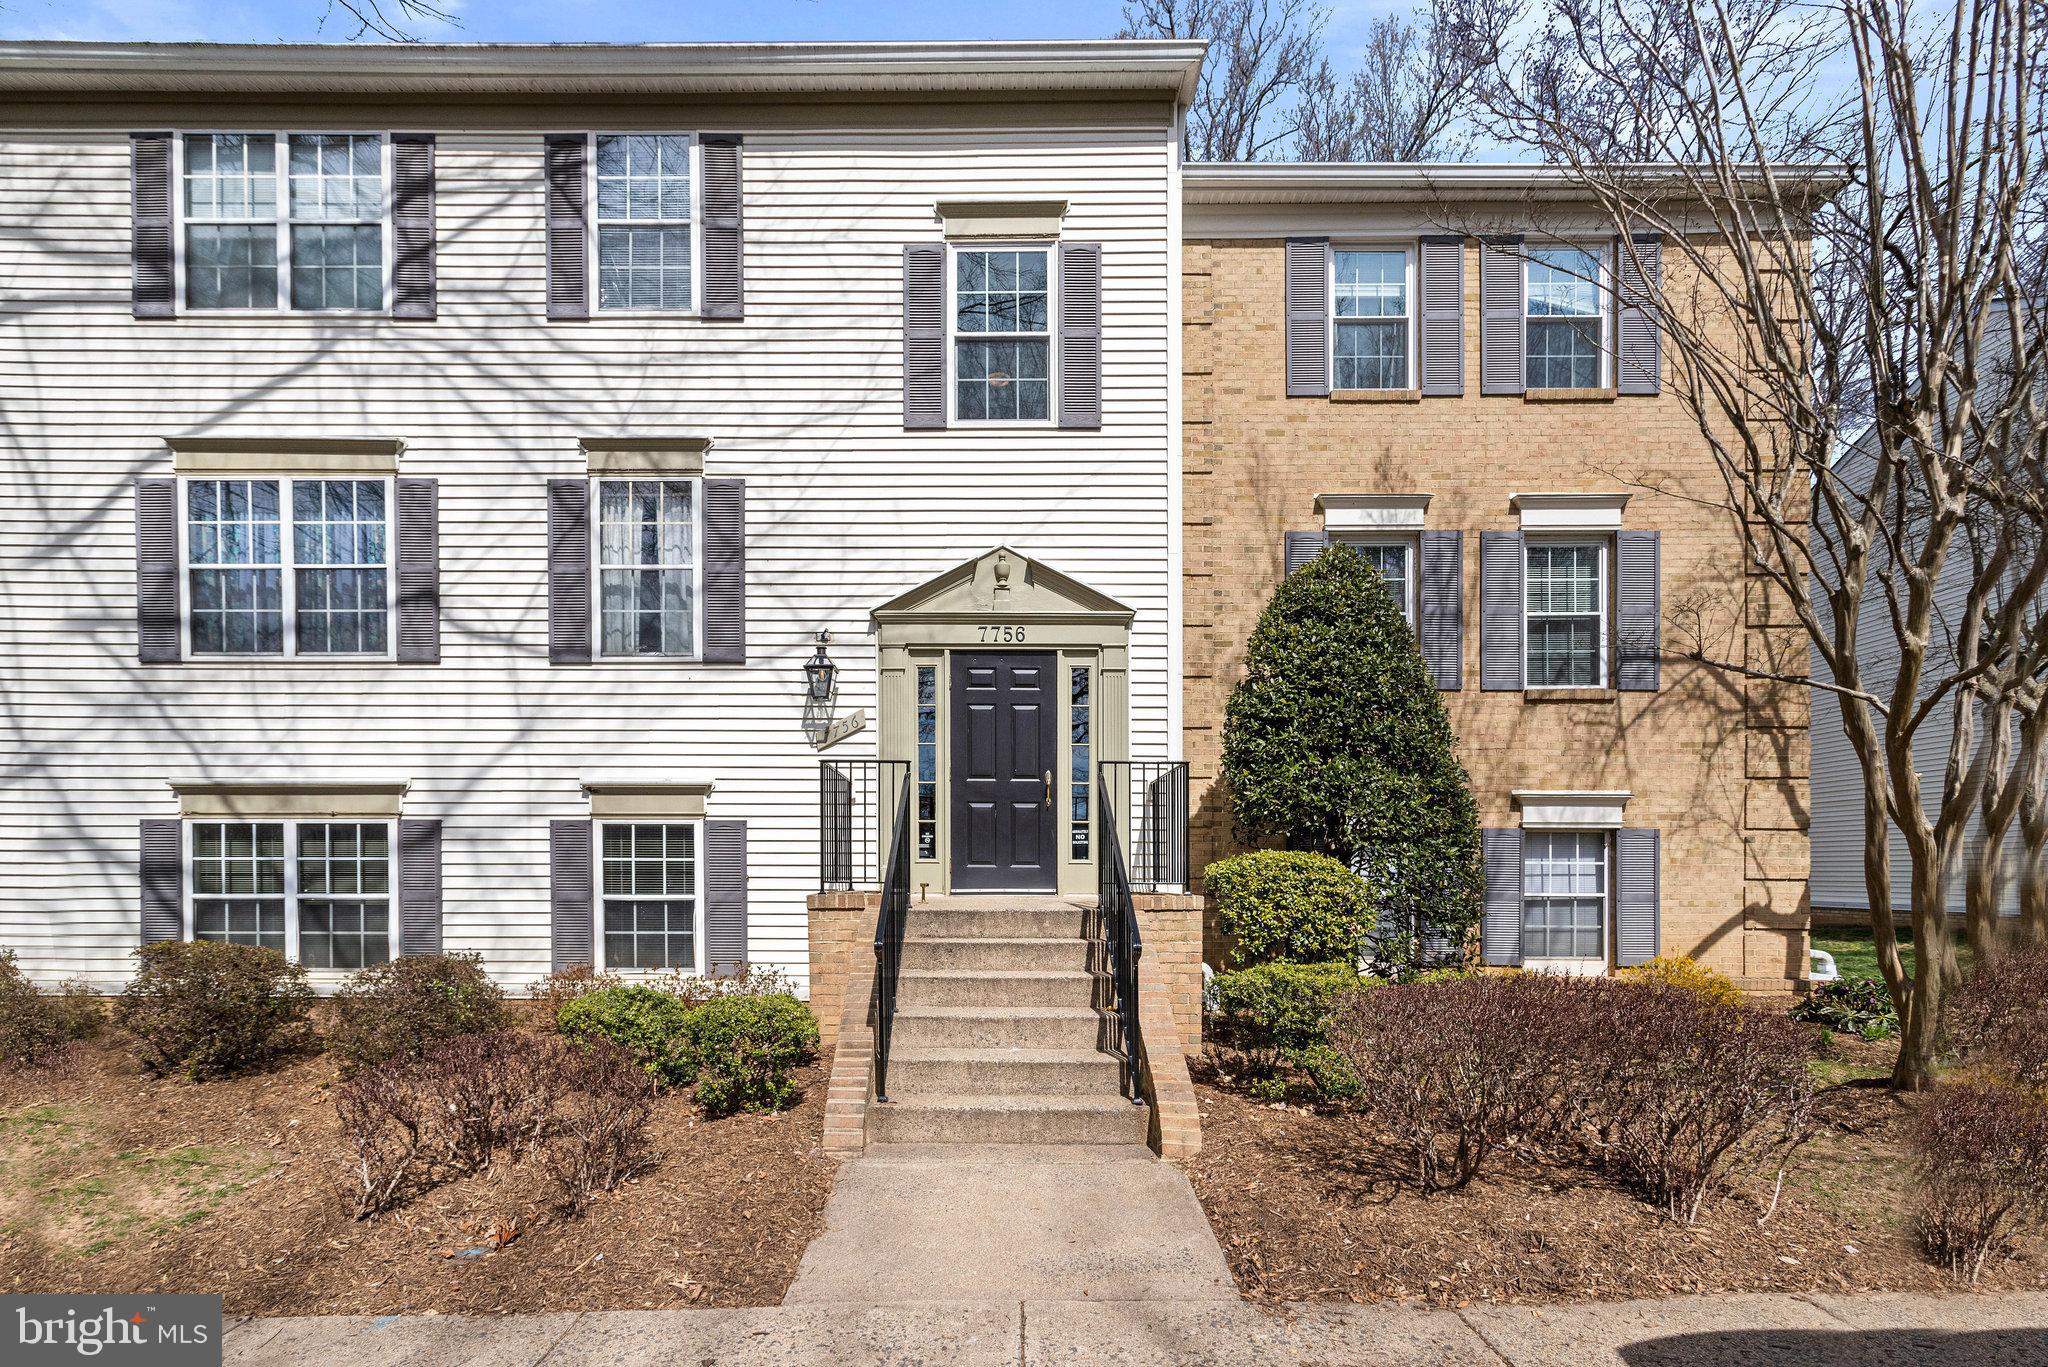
x=645 y=455
x=292 y=455
x=290 y=799
x=999 y=220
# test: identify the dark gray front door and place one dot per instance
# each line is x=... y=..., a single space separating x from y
x=1005 y=745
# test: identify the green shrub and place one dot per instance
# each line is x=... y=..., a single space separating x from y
x=1278 y=1013
x=398 y=1009
x=744 y=1048
x=202 y=1009
x=648 y=1023
x=1337 y=741
x=35 y=1024
x=1854 y=1006
x=1290 y=906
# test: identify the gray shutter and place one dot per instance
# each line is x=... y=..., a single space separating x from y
x=1308 y=317
x=1442 y=268
x=419 y=571
x=924 y=335
x=1500 y=611
x=152 y=290
x=419 y=887
x=412 y=225
x=1636 y=932
x=1638 y=613
x=725 y=897
x=568 y=572
x=1080 y=334
x=1298 y=548
x=1639 y=266
x=1442 y=607
x=1501 y=337
x=725 y=571
x=162 y=868
x=568 y=228
x=156 y=571
x=1500 y=926
x=572 y=917
x=724 y=250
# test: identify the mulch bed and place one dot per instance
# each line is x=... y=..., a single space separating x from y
x=113 y=1181
x=1316 y=1205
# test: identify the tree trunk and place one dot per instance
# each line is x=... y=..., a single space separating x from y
x=1934 y=968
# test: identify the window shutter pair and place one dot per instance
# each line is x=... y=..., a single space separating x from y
x=1638 y=894
x=1078 y=345
x=565 y=163
x=419 y=883
x=152 y=178
x=1440 y=597
x=416 y=534
x=724 y=572
x=1638 y=612
x=573 y=893
x=1440 y=352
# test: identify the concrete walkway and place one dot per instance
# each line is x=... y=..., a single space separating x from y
x=1721 y=1331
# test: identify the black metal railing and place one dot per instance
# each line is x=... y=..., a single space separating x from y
x=1117 y=925
x=852 y=802
x=889 y=933
x=1151 y=804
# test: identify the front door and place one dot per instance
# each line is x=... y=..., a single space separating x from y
x=1005 y=747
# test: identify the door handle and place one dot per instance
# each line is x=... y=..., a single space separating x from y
x=1048 y=789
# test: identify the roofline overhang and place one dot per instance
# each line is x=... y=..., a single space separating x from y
x=1165 y=68
x=1388 y=182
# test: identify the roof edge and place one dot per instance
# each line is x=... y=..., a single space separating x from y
x=1341 y=182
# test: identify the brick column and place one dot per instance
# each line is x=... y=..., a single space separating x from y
x=1171 y=926
x=842 y=997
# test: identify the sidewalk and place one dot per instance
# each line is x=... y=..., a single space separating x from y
x=1721 y=1331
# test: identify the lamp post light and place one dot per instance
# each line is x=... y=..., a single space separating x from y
x=819 y=671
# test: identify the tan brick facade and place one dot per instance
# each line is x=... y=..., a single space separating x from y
x=1717 y=764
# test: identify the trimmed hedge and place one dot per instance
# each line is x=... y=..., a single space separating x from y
x=1275 y=1014
x=744 y=1049
x=202 y=1009
x=1290 y=906
x=649 y=1024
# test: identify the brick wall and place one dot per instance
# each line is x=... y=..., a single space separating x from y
x=1718 y=764
x=1171 y=926
x=842 y=926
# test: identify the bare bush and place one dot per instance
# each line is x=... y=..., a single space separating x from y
x=1982 y=1145
x=2000 y=1017
x=565 y=985
x=383 y=1127
x=599 y=1135
x=494 y=1094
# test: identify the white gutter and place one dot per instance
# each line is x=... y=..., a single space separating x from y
x=1352 y=182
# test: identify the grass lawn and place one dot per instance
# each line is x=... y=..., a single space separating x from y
x=1855 y=949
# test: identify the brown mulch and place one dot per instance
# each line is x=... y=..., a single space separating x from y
x=1311 y=1204
x=113 y=1181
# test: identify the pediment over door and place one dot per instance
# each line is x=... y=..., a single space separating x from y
x=1005 y=584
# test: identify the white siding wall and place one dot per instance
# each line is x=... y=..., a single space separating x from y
x=844 y=508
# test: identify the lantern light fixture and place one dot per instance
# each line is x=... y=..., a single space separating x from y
x=819 y=671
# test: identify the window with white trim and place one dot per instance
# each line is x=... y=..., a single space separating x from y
x=648 y=597
x=1565 y=622
x=1002 y=334
x=649 y=894
x=646 y=207
x=1566 y=322
x=1080 y=743
x=1394 y=558
x=1370 y=319
x=301 y=218
x=1564 y=895
x=927 y=762
x=328 y=905
x=243 y=535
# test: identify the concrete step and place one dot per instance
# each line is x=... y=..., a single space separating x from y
x=988 y=1072
x=996 y=955
x=1031 y=919
x=1011 y=1119
x=979 y=987
x=1077 y=1028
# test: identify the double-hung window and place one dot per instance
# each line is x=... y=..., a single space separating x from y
x=649 y=891
x=1566 y=618
x=288 y=567
x=1566 y=321
x=1370 y=318
x=1002 y=334
x=1395 y=560
x=646 y=222
x=318 y=892
x=1564 y=895
x=647 y=566
x=297 y=221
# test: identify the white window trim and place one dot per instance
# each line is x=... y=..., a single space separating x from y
x=1582 y=966
x=596 y=224
x=1603 y=294
x=1052 y=334
x=1601 y=647
x=597 y=568
x=698 y=931
x=1408 y=318
x=281 y=224
x=190 y=884
x=287 y=563
x=1410 y=542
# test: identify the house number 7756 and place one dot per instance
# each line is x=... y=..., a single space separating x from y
x=1005 y=635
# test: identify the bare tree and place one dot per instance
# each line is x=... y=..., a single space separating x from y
x=1261 y=53
x=395 y=22
x=1838 y=355
x=1406 y=101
